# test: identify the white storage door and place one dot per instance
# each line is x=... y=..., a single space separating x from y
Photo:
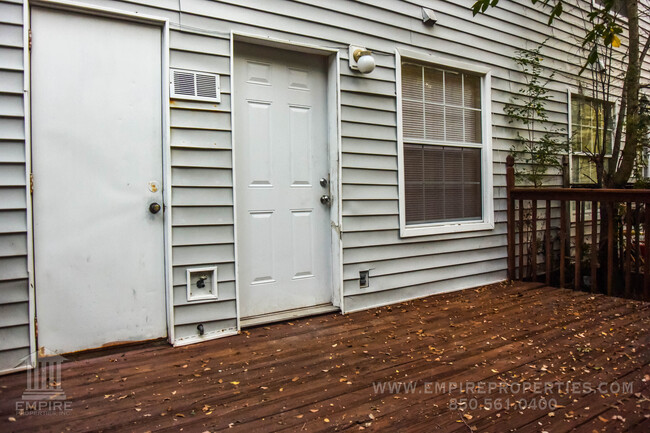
x=97 y=164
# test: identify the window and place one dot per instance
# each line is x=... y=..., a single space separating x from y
x=587 y=130
x=444 y=183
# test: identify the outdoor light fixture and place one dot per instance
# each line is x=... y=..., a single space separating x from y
x=361 y=60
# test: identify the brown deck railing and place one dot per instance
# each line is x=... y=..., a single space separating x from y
x=617 y=255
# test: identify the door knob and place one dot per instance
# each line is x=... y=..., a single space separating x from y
x=154 y=208
x=325 y=199
x=323 y=182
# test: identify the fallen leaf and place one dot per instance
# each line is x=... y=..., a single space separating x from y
x=326 y=419
x=295 y=379
x=235 y=383
x=11 y=419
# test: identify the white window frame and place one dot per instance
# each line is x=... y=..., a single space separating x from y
x=487 y=191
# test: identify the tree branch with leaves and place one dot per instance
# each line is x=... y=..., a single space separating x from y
x=602 y=36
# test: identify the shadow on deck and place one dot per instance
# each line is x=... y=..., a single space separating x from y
x=337 y=372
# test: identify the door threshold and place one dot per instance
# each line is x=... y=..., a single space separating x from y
x=280 y=316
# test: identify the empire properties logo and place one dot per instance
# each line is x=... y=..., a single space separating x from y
x=44 y=394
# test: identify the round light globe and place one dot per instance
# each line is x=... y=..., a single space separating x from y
x=366 y=64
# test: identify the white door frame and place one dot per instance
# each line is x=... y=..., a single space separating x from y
x=163 y=23
x=334 y=151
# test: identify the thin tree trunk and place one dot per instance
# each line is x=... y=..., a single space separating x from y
x=632 y=84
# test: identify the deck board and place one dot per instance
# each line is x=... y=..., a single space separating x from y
x=317 y=374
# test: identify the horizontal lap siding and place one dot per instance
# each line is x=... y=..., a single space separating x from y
x=202 y=212
x=369 y=146
x=368 y=125
x=399 y=268
x=201 y=141
x=14 y=288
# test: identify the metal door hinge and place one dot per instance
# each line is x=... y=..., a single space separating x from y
x=31 y=183
x=29 y=36
x=35 y=327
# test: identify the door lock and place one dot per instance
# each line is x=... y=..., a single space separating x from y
x=323 y=182
x=325 y=199
x=154 y=208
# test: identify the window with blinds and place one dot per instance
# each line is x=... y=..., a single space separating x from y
x=441 y=127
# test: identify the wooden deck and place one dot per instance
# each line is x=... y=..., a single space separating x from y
x=317 y=374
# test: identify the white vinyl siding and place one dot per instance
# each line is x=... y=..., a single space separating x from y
x=202 y=198
x=14 y=283
x=202 y=213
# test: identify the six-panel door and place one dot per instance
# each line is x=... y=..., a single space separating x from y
x=283 y=229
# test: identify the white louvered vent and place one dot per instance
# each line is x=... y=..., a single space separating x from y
x=200 y=86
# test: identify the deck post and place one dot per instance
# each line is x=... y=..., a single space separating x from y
x=510 y=183
x=563 y=241
x=628 y=250
x=610 y=249
x=533 y=240
x=548 y=246
x=594 y=246
x=646 y=252
x=577 y=275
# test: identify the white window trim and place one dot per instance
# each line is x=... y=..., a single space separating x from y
x=487 y=223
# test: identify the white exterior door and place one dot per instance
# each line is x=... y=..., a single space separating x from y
x=283 y=229
x=97 y=164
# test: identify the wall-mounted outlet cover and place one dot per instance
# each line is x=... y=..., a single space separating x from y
x=364 y=279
